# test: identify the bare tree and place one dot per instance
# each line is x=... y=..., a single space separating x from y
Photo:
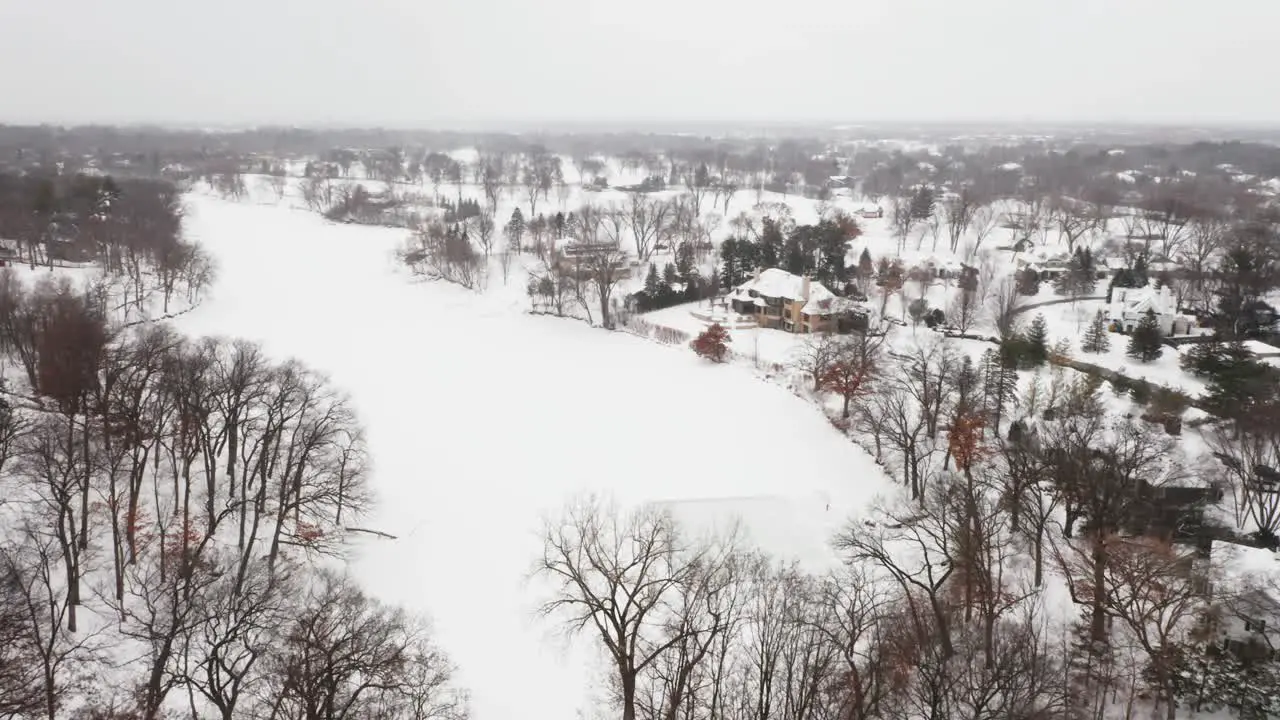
x=649 y=219
x=1251 y=459
x=532 y=187
x=485 y=229
x=278 y=183
x=614 y=576
x=914 y=548
x=605 y=269
x=1150 y=586
x=1004 y=305
x=56 y=466
x=984 y=220
x=1073 y=222
x=491 y=183
x=441 y=253
x=902 y=220
x=850 y=616
x=959 y=210
x=348 y=656
x=40 y=658
x=1204 y=241
x=815 y=355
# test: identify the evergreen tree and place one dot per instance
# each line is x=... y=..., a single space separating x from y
x=669 y=276
x=733 y=274
x=1144 y=343
x=652 y=283
x=795 y=258
x=923 y=203
x=999 y=386
x=1078 y=280
x=693 y=285
x=1036 y=351
x=684 y=261
x=771 y=242
x=866 y=267
x=515 y=230
x=832 y=249
x=1029 y=282
x=1096 y=339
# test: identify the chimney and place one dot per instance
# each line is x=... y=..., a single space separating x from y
x=804 y=288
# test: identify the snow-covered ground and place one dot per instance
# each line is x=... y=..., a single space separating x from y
x=481 y=419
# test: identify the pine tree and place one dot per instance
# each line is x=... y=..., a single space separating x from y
x=652 y=283
x=1029 y=282
x=733 y=271
x=669 y=276
x=515 y=230
x=923 y=203
x=771 y=242
x=1144 y=343
x=1096 y=339
x=866 y=267
x=1037 y=343
x=999 y=386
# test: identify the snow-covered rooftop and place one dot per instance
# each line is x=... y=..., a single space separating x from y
x=778 y=283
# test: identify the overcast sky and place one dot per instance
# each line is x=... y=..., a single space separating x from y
x=447 y=62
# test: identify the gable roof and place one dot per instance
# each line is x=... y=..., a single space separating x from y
x=778 y=283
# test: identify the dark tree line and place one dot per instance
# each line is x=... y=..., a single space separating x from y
x=817 y=250
x=132 y=229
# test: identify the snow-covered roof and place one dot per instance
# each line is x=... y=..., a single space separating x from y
x=778 y=283
x=829 y=306
x=1261 y=348
x=1137 y=301
x=1248 y=569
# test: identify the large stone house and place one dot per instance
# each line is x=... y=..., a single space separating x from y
x=794 y=303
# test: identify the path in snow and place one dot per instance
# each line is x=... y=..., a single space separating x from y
x=480 y=418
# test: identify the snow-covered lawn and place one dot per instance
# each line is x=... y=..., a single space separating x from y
x=481 y=419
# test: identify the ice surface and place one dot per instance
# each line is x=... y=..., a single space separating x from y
x=481 y=418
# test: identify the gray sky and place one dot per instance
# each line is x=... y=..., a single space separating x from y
x=446 y=62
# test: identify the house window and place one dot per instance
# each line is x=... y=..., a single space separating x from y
x=1255 y=625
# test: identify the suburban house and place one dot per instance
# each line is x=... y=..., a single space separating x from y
x=871 y=213
x=777 y=299
x=944 y=268
x=1248 y=619
x=571 y=255
x=1130 y=305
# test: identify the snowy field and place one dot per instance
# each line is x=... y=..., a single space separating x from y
x=481 y=419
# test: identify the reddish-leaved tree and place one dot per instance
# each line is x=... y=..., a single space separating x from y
x=850 y=374
x=712 y=343
x=965 y=441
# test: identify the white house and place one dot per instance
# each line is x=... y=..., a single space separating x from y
x=1130 y=305
x=1249 y=608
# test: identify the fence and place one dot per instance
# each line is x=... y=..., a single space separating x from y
x=665 y=335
